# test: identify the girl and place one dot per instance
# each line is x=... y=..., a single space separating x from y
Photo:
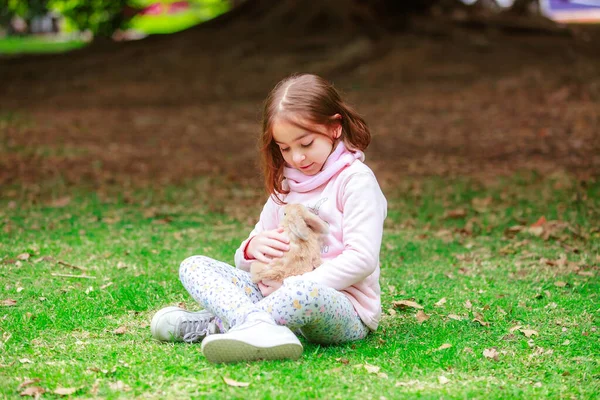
x=312 y=145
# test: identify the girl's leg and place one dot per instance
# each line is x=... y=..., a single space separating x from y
x=323 y=315
x=225 y=291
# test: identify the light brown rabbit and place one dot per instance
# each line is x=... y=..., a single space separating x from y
x=306 y=232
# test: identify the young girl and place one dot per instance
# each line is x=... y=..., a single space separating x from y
x=312 y=145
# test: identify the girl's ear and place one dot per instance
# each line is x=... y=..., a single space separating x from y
x=337 y=130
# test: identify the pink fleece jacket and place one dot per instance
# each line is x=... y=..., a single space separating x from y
x=346 y=195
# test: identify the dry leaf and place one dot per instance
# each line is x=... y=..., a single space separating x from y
x=33 y=391
x=529 y=332
x=441 y=302
x=119 y=385
x=233 y=383
x=514 y=328
x=406 y=303
x=455 y=214
x=23 y=256
x=455 y=317
x=444 y=346
x=479 y=318
x=382 y=375
x=539 y=222
x=491 y=353
x=61 y=202
x=64 y=391
x=372 y=369
x=120 y=330
x=28 y=382
x=421 y=316
x=25 y=361
x=8 y=303
x=560 y=284
x=468 y=304
x=443 y=380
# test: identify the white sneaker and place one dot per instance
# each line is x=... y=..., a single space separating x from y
x=173 y=324
x=257 y=339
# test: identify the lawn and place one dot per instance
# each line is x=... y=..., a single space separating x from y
x=37 y=45
x=490 y=290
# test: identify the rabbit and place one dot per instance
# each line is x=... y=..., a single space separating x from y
x=306 y=232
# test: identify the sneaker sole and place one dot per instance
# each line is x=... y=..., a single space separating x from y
x=229 y=351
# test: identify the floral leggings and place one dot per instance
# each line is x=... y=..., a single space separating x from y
x=321 y=314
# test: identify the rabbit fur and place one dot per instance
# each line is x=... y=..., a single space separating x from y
x=306 y=232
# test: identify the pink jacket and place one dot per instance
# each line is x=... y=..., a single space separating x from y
x=346 y=195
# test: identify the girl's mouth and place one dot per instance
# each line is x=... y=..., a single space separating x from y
x=308 y=166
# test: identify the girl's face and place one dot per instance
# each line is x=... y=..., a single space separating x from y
x=305 y=150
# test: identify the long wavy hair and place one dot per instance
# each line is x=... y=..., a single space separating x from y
x=315 y=101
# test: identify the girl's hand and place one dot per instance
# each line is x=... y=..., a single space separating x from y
x=267 y=286
x=268 y=245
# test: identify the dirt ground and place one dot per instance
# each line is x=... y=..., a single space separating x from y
x=165 y=110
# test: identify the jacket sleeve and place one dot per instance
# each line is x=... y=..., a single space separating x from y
x=364 y=209
x=268 y=220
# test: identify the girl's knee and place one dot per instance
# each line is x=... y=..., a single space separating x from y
x=192 y=264
x=302 y=290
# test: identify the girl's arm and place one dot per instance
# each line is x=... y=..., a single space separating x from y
x=268 y=220
x=364 y=208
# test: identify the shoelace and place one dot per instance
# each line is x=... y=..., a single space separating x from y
x=195 y=330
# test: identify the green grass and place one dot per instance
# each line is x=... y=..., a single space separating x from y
x=61 y=330
x=37 y=45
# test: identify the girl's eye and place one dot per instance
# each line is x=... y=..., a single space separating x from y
x=284 y=150
x=308 y=144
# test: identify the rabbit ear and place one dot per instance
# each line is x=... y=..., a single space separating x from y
x=315 y=223
x=299 y=228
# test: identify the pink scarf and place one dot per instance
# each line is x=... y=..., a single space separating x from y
x=339 y=159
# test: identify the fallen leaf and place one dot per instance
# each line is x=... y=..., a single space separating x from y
x=491 y=353
x=444 y=346
x=560 y=284
x=421 y=316
x=514 y=328
x=64 y=391
x=479 y=318
x=120 y=330
x=106 y=285
x=536 y=231
x=455 y=214
x=441 y=302
x=61 y=202
x=382 y=375
x=119 y=385
x=529 y=332
x=28 y=382
x=33 y=391
x=372 y=369
x=585 y=273
x=25 y=361
x=23 y=256
x=539 y=222
x=443 y=380
x=468 y=304
x=8 y=302
x=406 y=303
x=233 y=383
x=455 y=317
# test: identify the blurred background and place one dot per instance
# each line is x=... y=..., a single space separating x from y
x=129 y=94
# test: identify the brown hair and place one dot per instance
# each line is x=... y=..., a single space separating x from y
x=317 y=101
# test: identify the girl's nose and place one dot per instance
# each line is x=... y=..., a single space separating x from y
x=299 y=157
